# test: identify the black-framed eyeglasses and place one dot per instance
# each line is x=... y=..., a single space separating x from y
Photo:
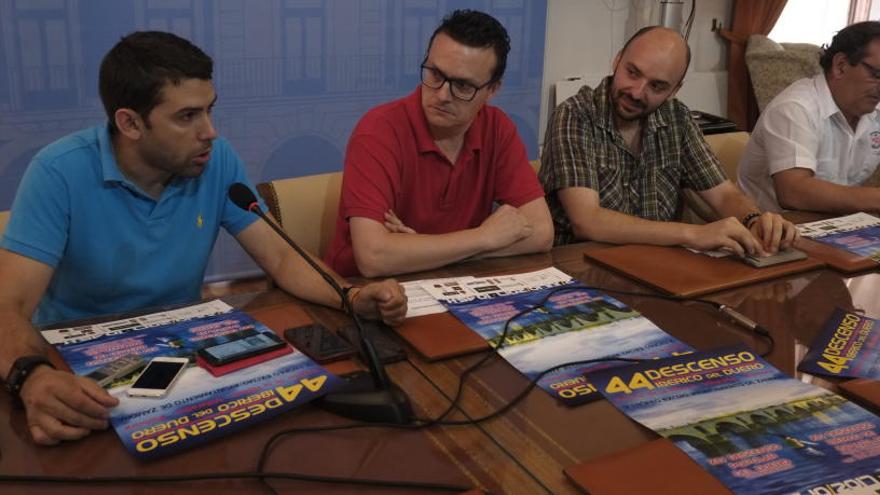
x=874 y=72
x=434 y=78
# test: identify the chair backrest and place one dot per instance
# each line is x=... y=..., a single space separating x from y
x=774 y=66
x=306 y=207
x=728 y=147
x=4 y=219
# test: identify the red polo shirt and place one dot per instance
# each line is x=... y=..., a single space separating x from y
x=393 y=163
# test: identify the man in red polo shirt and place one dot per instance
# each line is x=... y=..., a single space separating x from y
x=423 y=173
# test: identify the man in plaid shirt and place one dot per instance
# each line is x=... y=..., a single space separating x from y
x=616 y=157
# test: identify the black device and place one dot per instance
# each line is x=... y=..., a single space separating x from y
x=712 y=124
x=240 y=348
x=318 y=343
x=388 y=350
x=367 y=397
x=775 y=259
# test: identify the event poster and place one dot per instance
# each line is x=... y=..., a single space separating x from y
x=199 y=407
x=575 y=324
x=858 y=233
x=752 y=427
x=849 y=346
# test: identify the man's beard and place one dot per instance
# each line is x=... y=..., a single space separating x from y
x=642 y=112
x=161 y=160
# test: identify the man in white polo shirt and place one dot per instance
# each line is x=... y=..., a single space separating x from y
x=819 y=139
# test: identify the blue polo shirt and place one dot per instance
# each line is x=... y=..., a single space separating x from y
x=114 y=248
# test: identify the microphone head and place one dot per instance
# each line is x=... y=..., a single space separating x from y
x=242 y=196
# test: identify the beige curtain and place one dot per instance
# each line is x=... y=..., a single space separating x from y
x=749 y=17
x=859 y=10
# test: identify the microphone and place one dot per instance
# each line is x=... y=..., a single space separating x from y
x=243 y=197
x=745 y=321
x=367 y=397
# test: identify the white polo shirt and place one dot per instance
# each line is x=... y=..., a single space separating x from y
x=803 y=127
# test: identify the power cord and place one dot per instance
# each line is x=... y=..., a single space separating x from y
x=732 y=314
x=454 y=402
x=109 y=480
x=690 y=21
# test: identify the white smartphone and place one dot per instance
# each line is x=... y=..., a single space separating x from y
x=158 y=377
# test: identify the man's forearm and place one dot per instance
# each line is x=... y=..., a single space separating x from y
x=286 y=267
x=294 y=275
x=818 y=195
x=541 y=238
x=736 y=205
x=402 y=253
x=615 y=227
x=540 y=241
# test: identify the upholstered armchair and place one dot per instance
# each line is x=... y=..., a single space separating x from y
x=4 y=219
x=773 y=66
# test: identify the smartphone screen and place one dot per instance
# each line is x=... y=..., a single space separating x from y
x=158 y=377
x=240 y=348
x=318 y=343
x=388 y=350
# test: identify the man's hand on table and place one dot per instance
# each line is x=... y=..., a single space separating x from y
x=775 y=232
x=62 y=406
x=385 y=300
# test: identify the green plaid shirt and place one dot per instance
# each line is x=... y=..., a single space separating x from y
x=582 y=148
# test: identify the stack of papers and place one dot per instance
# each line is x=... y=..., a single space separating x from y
x=425 y=296
x=858 y=233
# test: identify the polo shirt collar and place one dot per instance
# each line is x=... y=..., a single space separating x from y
x=112 y=175
x=419 y=123
x=109 y=167
x=602 y=101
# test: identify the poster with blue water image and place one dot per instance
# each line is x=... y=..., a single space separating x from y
x=858 y=233
x=749 y=425
x=864 y=242
x=575 y=324
x=200 y=407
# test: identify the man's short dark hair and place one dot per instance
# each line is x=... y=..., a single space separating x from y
x=648 y=29
x=851 y=41
x=478 y=30
x=134 y=71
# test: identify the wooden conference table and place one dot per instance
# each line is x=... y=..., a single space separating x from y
x=523 y=451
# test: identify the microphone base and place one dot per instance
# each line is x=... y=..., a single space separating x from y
x=360 y=399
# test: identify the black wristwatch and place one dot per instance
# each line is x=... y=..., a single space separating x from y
x=21 y=370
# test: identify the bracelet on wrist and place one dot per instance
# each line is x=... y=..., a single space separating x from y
x=749 y=219
x=350 y=293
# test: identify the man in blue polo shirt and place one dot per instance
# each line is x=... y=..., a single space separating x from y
x=124 y=216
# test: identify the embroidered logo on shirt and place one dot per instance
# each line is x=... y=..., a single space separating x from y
x=199 y=221
x=875 y=140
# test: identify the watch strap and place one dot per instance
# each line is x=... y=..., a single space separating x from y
x=21 y=370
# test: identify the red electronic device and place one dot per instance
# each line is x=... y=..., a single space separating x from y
x=242 y=363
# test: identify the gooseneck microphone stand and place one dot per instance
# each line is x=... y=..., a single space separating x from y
x=370 y=397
